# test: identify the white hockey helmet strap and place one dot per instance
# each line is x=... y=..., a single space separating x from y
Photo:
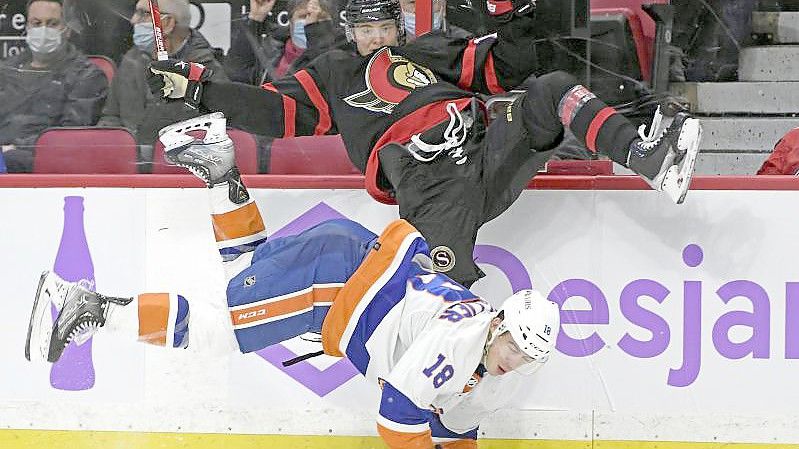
x=534 y=323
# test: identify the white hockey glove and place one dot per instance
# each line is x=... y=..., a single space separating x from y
x=178 y=79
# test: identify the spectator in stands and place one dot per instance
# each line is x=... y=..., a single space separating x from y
x=439 y=20
x=51 y=83
x=707 y=36
x=130 y=103
x=260 y=52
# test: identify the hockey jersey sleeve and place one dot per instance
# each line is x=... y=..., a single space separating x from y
x=490 y=64
x=295 y=105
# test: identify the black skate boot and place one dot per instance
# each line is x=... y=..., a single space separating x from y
x=81 y=313
x=665 y=158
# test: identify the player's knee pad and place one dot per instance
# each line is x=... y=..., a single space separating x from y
x=550 y=87
x=540 y=104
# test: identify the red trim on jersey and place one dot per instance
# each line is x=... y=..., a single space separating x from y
x=401 y=132
x=289 y=110
x=467 y=66
x=593 y=129
x=318 y=101
x=491 y=76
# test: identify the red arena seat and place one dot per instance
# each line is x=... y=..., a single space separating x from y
x=105 y=64
x=85 y=150
x=316 y=155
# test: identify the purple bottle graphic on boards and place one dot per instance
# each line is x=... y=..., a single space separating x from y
x=74 y=370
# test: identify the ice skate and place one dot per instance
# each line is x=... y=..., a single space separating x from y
x=665 y=157
x=81 y=313
x=211 y=158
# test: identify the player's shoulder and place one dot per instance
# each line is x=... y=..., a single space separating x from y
x=466 y=311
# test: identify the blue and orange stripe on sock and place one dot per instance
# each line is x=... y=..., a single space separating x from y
x=238 y=231
x=164 y=319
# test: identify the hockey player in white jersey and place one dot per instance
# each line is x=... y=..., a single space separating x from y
x=443 y=357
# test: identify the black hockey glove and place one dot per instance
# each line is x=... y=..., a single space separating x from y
x=178 y=79
x=504 y=10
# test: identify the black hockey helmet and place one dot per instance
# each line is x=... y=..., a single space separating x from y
x=362 y=11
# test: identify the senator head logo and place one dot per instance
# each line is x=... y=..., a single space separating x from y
x=389 y=79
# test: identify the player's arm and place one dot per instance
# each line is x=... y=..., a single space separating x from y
x=498 y=62
x=401 y=423
x=293 y=106
x=435 y=367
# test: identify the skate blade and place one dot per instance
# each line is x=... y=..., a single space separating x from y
x=678 y=179
x=40 y=326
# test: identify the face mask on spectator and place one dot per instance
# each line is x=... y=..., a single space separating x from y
x=44 y=40
x=298 y=34
x=144 y=36
x=410 y=22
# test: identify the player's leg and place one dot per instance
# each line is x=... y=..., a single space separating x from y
x=161 y=319
x=292 y=282
x=508 y=162
x=664 y=157
x=443 y=199
x=277 y=289
x=237 y=222
x=203 y=146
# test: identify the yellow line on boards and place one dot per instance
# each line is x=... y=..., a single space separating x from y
x=39 y=439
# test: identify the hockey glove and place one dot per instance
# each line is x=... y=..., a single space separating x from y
x=178 y=79
x=504 y=10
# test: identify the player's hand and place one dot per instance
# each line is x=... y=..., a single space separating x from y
x=504 y=10
x=178 y=79
x=259 y=9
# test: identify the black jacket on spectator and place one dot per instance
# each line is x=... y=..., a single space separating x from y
x=68 y=93
x=131 y=104
x=256 y=48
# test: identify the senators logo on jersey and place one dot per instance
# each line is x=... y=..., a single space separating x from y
x=389 y=79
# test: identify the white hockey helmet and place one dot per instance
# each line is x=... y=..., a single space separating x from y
x=534 y=323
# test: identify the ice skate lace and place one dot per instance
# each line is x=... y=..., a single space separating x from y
x=651 y=139
x=454 y=136
x=657 y=133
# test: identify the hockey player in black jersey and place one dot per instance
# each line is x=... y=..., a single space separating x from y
x=412 y=117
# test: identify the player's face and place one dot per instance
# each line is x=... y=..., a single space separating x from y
x=372 y=36
x=504 y=355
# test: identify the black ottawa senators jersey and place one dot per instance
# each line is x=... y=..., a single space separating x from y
x=384 y=97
